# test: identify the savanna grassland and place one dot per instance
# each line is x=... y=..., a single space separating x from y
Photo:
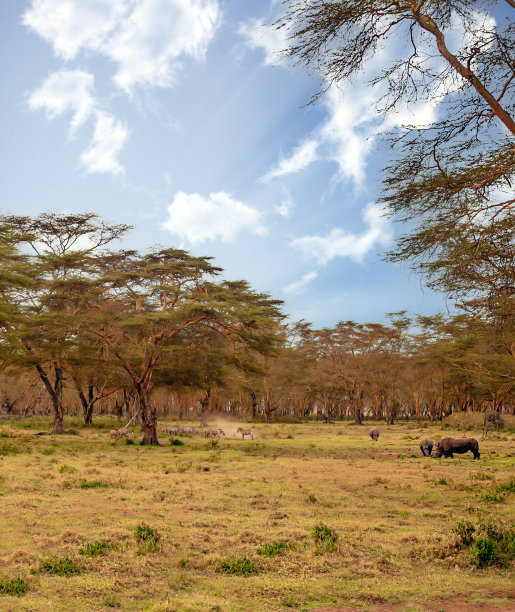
x=305 y=516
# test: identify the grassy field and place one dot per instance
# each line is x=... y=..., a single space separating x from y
x=304 y=517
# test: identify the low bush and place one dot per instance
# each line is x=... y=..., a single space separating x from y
x=239 y=567
x=14 y=586
x=59 y=567
x=177 y=442
x=272 y=549
x=147 y=537
x=92 y=484
x=95 y=549
x=324 y=537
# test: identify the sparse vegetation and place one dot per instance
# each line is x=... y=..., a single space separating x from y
x=64 y=566
x=325 y=537
x=272 y=549
x=95 y=549
x=147 y=537
x=13 y=586
x=242 y=566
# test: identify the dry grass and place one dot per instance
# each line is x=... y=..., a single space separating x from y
x=393 y=510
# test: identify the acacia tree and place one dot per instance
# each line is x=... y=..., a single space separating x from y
x=450 y=180
x=47 y=328
x=152 y=303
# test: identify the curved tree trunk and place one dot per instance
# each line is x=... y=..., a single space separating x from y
x=56 y=395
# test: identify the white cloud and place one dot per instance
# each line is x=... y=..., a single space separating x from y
x=72 y=91
x=70 y=25
x=344 y=138
x=66 y=90
x=145 y=38
x=259 y=35
x=196 y=218
x=287 y=204
x=339 y=243
x=108 y=140
x=303 y=155
x=301 y=285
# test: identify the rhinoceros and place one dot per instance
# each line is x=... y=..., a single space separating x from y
x=426 y=446
x=374 y=433
x=448 y=446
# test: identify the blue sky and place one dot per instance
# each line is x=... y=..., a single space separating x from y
x=176 y=116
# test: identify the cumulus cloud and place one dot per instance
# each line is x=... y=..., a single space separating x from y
x=145 y=39
x=339 y=243
x=72 y=91
x=301 y=285
x=108 y=140
x=196 y=218
x=66 y=90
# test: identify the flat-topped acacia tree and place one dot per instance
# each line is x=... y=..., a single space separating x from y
x=60 y=250
x=151 y=303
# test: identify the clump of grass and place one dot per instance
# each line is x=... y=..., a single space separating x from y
x=272 y=549
x=59 y=567
x=491 y=497
x=95 y=549
x=129 y=441
x=289 y=437
x=239 y=567
x=147 y=537
x=183 y=466
x=481 y=476
x=311 y=498
x=92 y=484
x=324 y=537
x=212 y=444
x=65 y=468
x=177 y=442
x=441 y=481
x=9 y=449
x=14 y=586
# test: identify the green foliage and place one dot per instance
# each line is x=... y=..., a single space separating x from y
x=59 y=567
x=324 y=537
x=177 y=442
x=9 y=449
x=484 y=552
x=14 y=586
x=272 y=549
x=465 y=532
x=491 y=497
x=213 y=444
x=95 y=549
x=129 y=441
x=48 y=451
x=239 y=567
x=92 y=484
x=147 y=537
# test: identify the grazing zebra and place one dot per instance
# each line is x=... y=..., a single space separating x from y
x=212 y=433
x=221 y=432
x=245 y=432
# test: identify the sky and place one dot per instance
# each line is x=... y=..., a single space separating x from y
x=178 y=117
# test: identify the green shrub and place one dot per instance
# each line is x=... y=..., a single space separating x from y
x=92 y=484
x=493 y=497
x=129 y=441
x=177 y=442
x=239 y=567
x=59 y=567
x=272 y=549
x=465 y=532
x=15 y=586
x=147 y=537
x=213 y=444
x=484 y=551
x=325 y=538
x=95 y=549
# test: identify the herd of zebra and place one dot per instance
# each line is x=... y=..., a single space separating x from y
x=208 y=433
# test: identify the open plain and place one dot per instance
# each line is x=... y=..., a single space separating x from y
x=305 y=516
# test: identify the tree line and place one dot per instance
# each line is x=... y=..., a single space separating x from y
x=86 y=328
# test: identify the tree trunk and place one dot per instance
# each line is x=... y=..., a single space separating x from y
x=148 y=416
x=56 y=395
